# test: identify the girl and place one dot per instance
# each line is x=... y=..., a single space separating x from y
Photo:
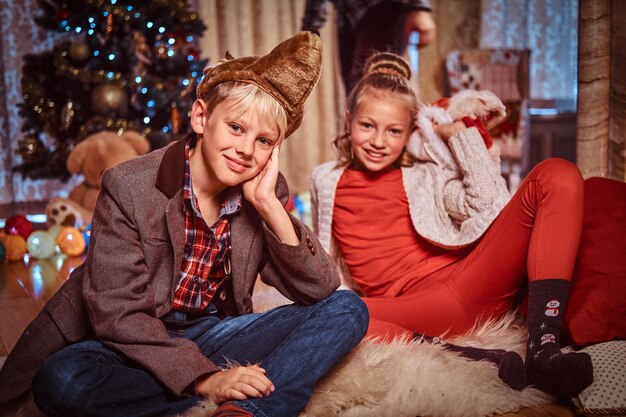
x=433 y=247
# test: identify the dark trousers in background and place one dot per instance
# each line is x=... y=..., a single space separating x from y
x=380 y=30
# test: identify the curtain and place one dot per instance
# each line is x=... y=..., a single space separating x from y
x=254 y=27
x=19 y=35
x=549 y=29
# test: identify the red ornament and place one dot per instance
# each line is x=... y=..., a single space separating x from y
x=194 y=53
x=18 y=225
x=62 y=14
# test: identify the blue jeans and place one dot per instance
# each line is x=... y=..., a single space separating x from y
x=296 y=345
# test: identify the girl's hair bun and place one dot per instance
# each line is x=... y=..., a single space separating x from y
x=387 y=63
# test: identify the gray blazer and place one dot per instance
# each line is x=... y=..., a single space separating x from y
x=129 y=277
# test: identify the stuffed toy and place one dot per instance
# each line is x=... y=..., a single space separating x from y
x=90 y=158
x=481 y=109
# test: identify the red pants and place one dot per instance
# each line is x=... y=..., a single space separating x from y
x=535 y=237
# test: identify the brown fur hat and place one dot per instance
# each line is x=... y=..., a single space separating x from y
x=288 y=73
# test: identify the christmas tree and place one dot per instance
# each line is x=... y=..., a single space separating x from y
x=122 y=64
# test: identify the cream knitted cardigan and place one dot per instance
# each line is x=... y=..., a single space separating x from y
x=450 y=207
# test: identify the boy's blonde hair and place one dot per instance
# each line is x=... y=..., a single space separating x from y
x=288 y=73
x=245 y=96
x=383 y=73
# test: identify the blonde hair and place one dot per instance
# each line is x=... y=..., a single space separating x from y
x=386 y=73
x=244 y=96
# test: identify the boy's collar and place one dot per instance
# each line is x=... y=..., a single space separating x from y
x=171 y=175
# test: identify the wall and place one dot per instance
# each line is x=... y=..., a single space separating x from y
x=601 y=124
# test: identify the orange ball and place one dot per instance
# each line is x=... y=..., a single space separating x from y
x=15 y=246
x=70 y=241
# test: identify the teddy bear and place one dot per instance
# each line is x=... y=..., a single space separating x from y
x=90 y=158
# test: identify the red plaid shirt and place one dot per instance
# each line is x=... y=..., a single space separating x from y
x=207 y=249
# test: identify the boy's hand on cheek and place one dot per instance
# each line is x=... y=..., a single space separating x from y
x=260 y=190
x=236 y=383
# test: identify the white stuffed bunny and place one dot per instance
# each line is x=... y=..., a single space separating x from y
x=426 y=145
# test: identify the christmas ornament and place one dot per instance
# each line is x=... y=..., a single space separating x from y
x=79 y=51
x=175 y=118
x=67 y=114
x=142 y=50
x=40 y=244
x=18 y=225
x=30 y=148
x=109 y=100
x=70 y=241
x=109 y=23
x=15 y=246
x=54 y=231
x=62 y=14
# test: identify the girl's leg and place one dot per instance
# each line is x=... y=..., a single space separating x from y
x=510 y=364
x=535 y=236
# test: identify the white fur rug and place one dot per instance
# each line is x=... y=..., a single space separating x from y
x=400 y=378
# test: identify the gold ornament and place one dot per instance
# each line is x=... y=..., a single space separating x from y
x=29 y=148
x=79 y=51
x=70 y=241
x=109 y=100
x=67 y=114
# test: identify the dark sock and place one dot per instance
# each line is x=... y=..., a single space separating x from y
x=510 y=364
x=546 y=366
x=230 y=409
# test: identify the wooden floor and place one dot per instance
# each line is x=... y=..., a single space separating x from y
x=24 y=289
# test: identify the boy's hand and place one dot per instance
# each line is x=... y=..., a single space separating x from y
x=237 y=383
x=260 y=190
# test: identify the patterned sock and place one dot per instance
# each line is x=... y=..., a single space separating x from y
x=546 y=366
x=230 y=409
x=510 y=364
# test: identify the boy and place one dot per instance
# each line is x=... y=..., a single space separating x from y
x=148 y=324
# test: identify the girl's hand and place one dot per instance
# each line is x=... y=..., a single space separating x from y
x=446 y=131
x=260 y=189
x=237 y=383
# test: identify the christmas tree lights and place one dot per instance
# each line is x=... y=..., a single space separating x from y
x=123 y=64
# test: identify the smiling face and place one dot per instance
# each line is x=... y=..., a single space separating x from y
x=379 y=130
x=234 y=143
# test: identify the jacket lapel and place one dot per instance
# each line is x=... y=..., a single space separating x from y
x=170 y=179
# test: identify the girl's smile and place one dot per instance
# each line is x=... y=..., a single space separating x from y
x=379 y=131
